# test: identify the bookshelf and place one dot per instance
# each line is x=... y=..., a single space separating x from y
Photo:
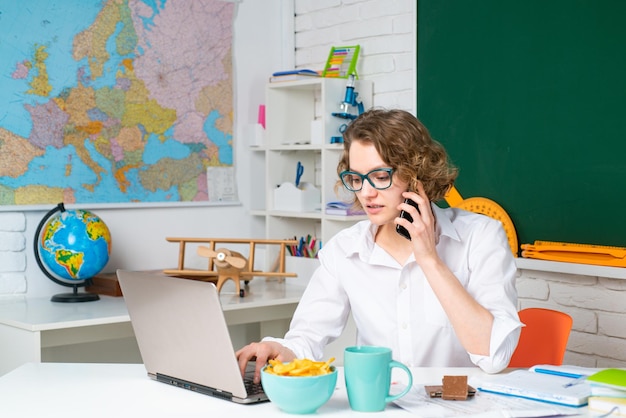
x=299 y=127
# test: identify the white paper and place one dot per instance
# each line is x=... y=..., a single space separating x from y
x=481 y=405
x=221 y=184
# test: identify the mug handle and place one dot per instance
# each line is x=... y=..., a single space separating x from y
x=399 y=365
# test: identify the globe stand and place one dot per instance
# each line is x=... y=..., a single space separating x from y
x=61 y=297
x=75 y=296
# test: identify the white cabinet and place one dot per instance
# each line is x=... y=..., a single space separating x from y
x=299 y=127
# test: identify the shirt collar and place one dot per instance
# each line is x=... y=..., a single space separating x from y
x=364 y=245
x=444 y=223
x=365 y=242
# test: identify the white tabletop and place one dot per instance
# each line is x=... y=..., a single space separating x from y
x=123 y=390
x=40 y=314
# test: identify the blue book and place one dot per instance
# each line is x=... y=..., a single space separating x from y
x=298 y=74
x=302 y=71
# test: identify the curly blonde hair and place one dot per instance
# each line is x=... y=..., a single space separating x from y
x=405 y=144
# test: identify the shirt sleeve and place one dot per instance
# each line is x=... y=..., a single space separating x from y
x=320 y=316
x=493 y=286
x=504 y=336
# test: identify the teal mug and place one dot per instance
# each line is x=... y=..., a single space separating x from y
x=367 y=371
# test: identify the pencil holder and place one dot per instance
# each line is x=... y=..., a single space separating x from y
x=305 y=198
x=304 y=267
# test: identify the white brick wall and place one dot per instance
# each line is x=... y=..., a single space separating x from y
x=384 y=29
x=597 y=305
x=12 y=253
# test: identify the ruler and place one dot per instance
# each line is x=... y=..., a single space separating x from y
x=601 y=255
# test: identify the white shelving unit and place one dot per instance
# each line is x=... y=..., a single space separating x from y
x=291 y=109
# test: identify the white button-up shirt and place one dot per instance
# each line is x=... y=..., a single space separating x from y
x=394 y=306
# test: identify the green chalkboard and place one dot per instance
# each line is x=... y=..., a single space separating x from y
x=529 y=98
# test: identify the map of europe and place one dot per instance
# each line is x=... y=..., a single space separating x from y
x=113 y=101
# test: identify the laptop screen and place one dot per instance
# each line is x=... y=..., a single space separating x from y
x=181 y=331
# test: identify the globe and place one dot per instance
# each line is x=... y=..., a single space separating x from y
x=71 y=247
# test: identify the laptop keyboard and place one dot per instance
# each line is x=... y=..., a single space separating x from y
x=251 y=387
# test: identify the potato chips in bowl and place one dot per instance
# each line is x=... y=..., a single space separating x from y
x=301 y=386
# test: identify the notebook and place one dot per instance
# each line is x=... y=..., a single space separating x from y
x=540 y=384
x=183 y=337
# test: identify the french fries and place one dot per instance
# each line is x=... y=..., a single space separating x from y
x=299 y=367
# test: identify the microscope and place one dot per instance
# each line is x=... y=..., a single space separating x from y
x=349 y=101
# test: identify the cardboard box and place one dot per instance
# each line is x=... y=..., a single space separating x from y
x=105 y=284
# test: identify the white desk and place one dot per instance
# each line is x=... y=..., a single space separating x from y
x=123 y=390
x=34 y=329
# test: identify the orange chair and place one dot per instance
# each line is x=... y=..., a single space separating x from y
x=544 y=338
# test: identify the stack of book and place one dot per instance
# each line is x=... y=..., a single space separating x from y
x=608 y=392
x=342 y=209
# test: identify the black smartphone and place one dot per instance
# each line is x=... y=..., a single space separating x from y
x=399 y=228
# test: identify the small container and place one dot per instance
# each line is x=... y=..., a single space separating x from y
x=306 y=198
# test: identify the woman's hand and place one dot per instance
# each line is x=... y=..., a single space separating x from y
x=262 y=352
x=422 y=229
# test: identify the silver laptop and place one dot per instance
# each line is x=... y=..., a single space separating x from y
x=182 y=335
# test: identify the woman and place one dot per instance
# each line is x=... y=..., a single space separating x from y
x=446 y=297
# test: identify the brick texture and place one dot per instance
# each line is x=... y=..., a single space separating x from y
x=598 y=337
x=384 y=29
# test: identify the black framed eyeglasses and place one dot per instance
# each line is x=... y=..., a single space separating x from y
x=380 y=179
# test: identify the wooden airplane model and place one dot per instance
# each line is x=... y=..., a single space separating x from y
x=225 y=264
